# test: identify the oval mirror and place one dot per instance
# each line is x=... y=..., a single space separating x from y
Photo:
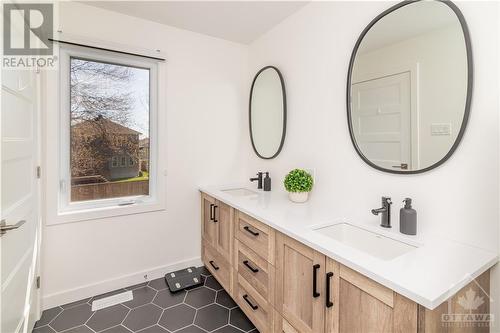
x=267 y=112
x=409 y=87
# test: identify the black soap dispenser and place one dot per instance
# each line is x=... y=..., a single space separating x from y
x=267 y=182
x=408 y=218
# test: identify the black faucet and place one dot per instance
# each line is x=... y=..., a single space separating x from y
x=259 y=180
x=386 y=212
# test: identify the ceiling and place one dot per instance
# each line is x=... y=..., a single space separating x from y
x=237 y=21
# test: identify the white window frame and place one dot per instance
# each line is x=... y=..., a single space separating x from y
x=67 y=211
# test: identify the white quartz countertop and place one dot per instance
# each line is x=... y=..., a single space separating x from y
x=429 y=274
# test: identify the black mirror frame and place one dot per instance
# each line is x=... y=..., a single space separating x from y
x=283 y=92
x=470 y=76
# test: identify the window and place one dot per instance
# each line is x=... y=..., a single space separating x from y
x=108 y=102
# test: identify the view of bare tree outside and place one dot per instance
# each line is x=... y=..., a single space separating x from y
x=109 y=130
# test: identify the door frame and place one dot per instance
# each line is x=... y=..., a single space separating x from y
x=414 y=70
x=39 y=201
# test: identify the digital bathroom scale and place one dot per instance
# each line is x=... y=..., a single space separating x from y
x=184 y=278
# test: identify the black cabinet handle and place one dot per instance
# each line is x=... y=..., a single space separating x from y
x=255 y=270
x=215 y=213
x=315 y=280
x=254 y=307
x=329 y=276
x=247 y=228
x=211 y=212
x=214 y=265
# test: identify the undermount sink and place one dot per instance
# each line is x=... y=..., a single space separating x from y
x=240 y=192
x=376 y=245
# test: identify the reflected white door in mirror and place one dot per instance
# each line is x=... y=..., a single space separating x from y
x=409 y=87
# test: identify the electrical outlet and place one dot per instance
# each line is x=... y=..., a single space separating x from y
x=440 y=129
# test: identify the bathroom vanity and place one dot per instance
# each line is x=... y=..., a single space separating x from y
x=290 y=274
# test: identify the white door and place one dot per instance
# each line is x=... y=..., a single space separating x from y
x=19 y=300
x=381 y=118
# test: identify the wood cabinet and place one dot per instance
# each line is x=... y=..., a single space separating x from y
x=256 y=235
x=224 y=215
x=208 y=226
x=378 y=309
x=254 y=269
x=218 y=265
x=217 y=225
x=300 y=275
x=285 y=286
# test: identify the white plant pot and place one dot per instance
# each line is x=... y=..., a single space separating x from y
x=298 y=197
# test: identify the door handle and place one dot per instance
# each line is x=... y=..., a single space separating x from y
x=329 y=276
x=247 y=228
x=212 y=263
x=255 y=270
x=211 y=212
x=315 y=280
x=215 y=213
x=403 y=166
x=254 y=307
x=4 y=227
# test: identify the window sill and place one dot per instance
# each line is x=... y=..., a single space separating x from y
x=104 y=212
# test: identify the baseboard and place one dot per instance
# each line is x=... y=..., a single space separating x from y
x=75 y=294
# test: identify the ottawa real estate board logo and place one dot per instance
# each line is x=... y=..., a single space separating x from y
x=27 y=33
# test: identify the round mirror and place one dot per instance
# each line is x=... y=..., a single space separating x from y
x=409 y=87
x=267 y=112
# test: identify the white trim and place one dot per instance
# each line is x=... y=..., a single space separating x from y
x=63 y=36
x=89 y=290
x=59 y=208
x=414 y=70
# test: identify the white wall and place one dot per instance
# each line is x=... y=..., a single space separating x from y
x=312 y=48
x=205 y=99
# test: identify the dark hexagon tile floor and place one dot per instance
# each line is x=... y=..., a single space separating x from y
x=154 y=309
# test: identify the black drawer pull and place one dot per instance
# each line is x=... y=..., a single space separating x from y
x=247 y=228
x=255 y=270
x=315 y=280
x=211 y=212
x=215 y=213
x=214 y=265
x=254 y=307
x=329 y=276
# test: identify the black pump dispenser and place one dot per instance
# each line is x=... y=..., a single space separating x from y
x=408 y=218
x=267 y=182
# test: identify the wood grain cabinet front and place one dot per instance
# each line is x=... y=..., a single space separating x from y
x=208 y=223
x=256 y=235
x=300 y=275
x=256 y=307
x=218 y=265
x=217 y=225
x=285 y=286
x=254 y=269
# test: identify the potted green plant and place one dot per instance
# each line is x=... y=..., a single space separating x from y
x=298 y=183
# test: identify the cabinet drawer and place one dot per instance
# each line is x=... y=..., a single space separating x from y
x=257 y=309
x=255 y=270
x=217 y=265
x=256 y=235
